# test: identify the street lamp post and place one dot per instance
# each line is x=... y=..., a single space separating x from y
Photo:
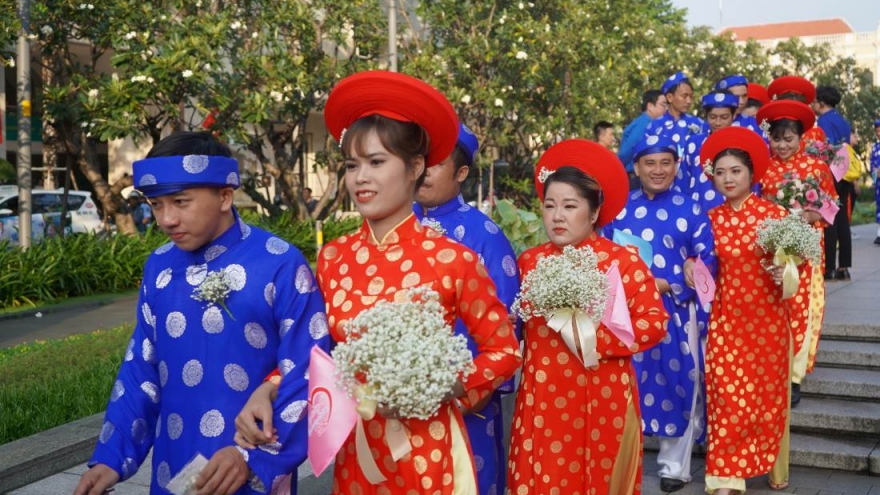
x=24 y=126
x=392 y=35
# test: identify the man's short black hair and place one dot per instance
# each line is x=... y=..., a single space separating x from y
x=600 y=127
x=650 y=96
x=184 y=143
x=828 y=95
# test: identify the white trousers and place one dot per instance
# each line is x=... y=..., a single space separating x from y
x=675 y=452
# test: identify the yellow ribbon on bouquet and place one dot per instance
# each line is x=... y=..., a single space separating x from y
x=790 y=275
x=395 y=436
x=563 y=321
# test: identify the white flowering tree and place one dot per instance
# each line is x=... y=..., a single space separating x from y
x=524 y=74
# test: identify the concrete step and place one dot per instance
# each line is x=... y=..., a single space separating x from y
x=835 y=452
x=848 y=354
x=836 y=417
x=851 y=332
x=850 y=384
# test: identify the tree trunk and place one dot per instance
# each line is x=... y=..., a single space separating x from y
x=110 y=197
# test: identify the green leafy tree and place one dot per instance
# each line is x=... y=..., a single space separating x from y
x=861 y=98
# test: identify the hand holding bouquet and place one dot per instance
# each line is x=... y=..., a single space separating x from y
x=402 y=355
x=567 y=288
x=791 y=241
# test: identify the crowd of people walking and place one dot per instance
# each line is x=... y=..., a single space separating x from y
x=699 y=343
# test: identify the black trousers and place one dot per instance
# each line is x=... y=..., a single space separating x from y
x=838 y=239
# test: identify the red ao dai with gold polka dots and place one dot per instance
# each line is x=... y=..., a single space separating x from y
x=807 y=306
x=356 y=271
x=747 y=353
x=577 y=431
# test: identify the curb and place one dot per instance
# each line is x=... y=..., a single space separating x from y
x=38 y=456
x=65 y=306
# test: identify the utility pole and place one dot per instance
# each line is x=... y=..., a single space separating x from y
x=24 y=126
x=392 y=35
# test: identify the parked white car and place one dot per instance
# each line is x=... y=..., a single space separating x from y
x=83 y=216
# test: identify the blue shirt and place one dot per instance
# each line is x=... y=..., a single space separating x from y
x=631 y=136
x=676 y=129
x=677 y=230
x=471 y=227
x=836 y=128
x=192 y=365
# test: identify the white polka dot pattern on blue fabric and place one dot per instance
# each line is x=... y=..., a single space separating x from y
x=269 y=294
x=212 y=320
x=195 y=274
x=659 y=261
x=163 y=474
x=139 y=430
x=148 y=315
x=678 y=200
x=232 y=179
x=192 y=373
x=649 y=399
x=459 y=232
x=681 y=224
x=671 y=429
x=275 y=245
x=147 y=180
x=107 y=430
x=286 y=366
x=640 y=212
x=662 y=214
x=236 y=377
x=284 y=327
x=245 y=230
x=271 y=448
x=129 y=351
x=479 y=463
x=508 y=265
x=164 y=248
x=648 y=235
x=175 y=324
x=195 y=164
x=236 y=276
x=294 y=411
x=163 y=278
x=212 y=424
x=148 y=352
x=318 y=326
x=304 y=281
x=129 y=467
x=163 y=373
x=175 y=426
x=214 y=252
x=118 y=391
x=255 y=335
x=491 y=227
x=151 y=390
x=668 y=241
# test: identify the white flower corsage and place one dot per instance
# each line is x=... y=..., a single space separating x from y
x=214 y=290
x=544 y=174
x=765 y=126
x=434 y=224
x=694 y=128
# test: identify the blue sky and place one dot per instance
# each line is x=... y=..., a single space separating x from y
x=862 y=15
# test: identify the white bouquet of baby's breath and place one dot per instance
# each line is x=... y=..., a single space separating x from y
x=790 y=240
x=792 y=235
x=403 y=355
x=569 y=280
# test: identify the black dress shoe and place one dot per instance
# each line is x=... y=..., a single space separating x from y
x=842 y=274
x=877 y=240
x=795 y=394
x=671 y=485
x=831 y=275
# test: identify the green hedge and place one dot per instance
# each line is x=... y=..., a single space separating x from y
x=83 y=265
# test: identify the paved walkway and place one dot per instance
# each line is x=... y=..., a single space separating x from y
x=853 y=302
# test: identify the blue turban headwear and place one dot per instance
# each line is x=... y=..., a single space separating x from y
x=164 y=175
x=729 y=81
x=468 y=143
x=720 y=100
x=673 y=81
x=654 y=144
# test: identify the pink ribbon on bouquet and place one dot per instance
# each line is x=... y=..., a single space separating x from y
x=616 y=317
x=704 y=283
x=840 y=163
x=332 y=413
x=828 y=210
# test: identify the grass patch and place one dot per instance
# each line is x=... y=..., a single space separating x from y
x=66 y=303
x=45 y=384
x=864 y=212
